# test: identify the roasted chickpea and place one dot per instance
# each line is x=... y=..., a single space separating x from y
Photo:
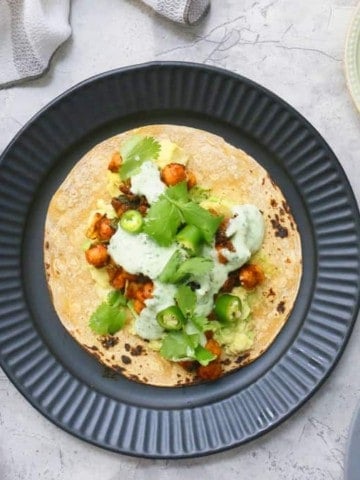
x=115 y=162
x=173 y=173
x=97 y=255
x=250 y=276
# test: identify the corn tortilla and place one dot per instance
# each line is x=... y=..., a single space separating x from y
x=230 y=174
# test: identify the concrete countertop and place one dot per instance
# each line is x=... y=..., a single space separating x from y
x=296 y=50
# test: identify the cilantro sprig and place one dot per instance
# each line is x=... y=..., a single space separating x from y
x=186 y=344
x=162 y=221
x=174 y=208
x=171 y=267
x=109 y=317
x=181 y=346
x=186 y=300
x=179 y=268
x=135 y=152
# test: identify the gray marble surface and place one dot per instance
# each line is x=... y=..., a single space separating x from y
x=293 y=48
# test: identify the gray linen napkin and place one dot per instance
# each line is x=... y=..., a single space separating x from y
x=31 y=31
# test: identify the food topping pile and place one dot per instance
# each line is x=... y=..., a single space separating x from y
x=177 y=262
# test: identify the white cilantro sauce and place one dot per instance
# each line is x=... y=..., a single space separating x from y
x=146 y=325
x=139 y=254
x=246 y=231
x=147 y=182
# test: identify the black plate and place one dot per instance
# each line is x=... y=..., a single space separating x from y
x=70 y=387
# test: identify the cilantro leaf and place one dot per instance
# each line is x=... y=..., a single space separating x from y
x=186 y=300
x=179 y=268
x=135 y=152
x=193 y=213
x=147 y=148
x=162 y=221
x=177 y=346
x=171 y=267
x=204 y=356
x=174 y=208
x=192 y=330
x=164 y=216
x=127 y=146
x=204 y=324
x=116 y=299
x=107 y=319
x=180 y=346
x=195 y=266
x=201 y=218
x=178 y=192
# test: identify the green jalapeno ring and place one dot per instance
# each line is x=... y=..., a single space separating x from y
x=171 y=318
x=228 y=308
x=131 y=221
x=190 y=237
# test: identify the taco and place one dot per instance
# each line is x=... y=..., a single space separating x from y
x=171 y=256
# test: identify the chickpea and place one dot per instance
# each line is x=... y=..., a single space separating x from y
x=97 y=255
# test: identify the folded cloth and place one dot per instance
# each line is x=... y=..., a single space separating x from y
x=182 y=11
x=31 y=31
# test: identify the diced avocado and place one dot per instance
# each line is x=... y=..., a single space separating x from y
x=244 y=297
x=155 y=344
x=239 y=343
x=101 y=279
x=104 y=209
x=100 y=276
x=236 y=338
x=221 y=206
x=269 y=268
x=170 y=152
x=113 y=183
x=86 y=245
x=130 y=325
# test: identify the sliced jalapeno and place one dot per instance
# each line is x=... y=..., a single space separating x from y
x=131 y=221
x=190 y=237
x=170 y=318
x=228 y=308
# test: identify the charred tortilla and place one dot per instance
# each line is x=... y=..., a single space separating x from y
x=229 y=173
